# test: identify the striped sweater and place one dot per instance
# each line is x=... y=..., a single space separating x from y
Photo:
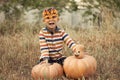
x=52 y=44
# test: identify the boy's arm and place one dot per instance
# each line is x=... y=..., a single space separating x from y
x=43 y=47
x=68 y=40
x=76 y=48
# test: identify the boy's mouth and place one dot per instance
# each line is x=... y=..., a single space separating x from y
x=51 y=23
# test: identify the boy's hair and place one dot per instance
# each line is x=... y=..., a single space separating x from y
x=49 y=11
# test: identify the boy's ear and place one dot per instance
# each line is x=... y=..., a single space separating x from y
x=58 y=19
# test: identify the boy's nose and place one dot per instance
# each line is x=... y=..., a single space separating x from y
x=51 y=18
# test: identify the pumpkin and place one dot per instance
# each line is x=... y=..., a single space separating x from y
x=80 y=64
x=47 y=71
x=79 y=67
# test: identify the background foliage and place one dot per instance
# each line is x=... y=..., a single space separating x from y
x=16 y=7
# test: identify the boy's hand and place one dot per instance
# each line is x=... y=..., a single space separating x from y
x=43 y=60
x=79 y=51
x=77 y=54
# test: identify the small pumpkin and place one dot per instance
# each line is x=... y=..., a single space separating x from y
x=47 y=71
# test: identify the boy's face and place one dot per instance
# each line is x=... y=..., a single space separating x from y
x=50 y=18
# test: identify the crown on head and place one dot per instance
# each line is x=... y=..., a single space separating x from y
x=50 y=11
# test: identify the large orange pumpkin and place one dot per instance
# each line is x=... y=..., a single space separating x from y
x=78 y=67
x=47 y=71
x=80 y=64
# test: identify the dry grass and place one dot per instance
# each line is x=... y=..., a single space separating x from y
x=19 y=50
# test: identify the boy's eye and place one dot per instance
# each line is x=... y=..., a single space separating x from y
x=54 y=16
x=47 y=18
x=78 y=51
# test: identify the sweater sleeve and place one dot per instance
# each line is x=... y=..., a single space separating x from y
x=43 y=46
x=68 y=41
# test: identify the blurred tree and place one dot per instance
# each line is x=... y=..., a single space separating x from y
x=114 y=5
x=14 y=8
x=106 y=7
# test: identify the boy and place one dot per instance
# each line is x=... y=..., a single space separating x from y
x=52 y=38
